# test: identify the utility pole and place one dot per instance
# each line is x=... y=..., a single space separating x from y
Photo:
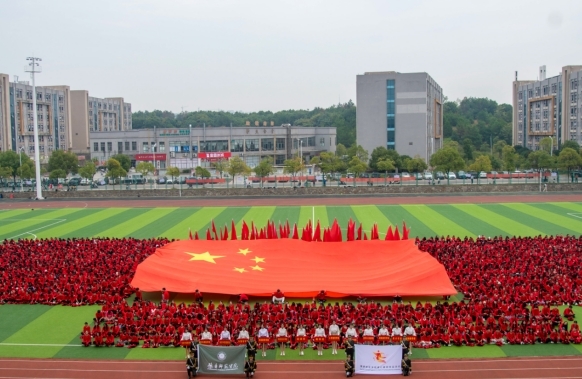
x=34 y=67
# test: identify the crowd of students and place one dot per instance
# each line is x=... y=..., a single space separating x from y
x=73 y=271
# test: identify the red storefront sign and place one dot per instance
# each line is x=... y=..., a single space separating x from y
x=214 y=156
x=150 y=157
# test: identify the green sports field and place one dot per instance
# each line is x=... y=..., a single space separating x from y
x=53 y=332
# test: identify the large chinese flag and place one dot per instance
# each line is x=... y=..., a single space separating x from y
x=299 y=268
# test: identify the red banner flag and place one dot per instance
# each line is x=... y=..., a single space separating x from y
x=360 y=232
x=245 y=231
x=196 y=236
x=295 y=232
x=389 y=234
x=405 y=231
x=216 y=236
x=396 y=234
x=208 y=236
x=317 y=232
x=258 y=267
x=190 y=234
x=233 y=231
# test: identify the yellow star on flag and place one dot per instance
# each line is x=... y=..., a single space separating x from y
x=204 y=257
x=258 y=260
x=244 y=251
x=241 y=270
x=257 y=268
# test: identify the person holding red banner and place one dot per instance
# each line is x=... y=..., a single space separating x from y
x=225 y=335
x=186 y=339
x=263 y=333
x=334 y=332
x=301 y=338
x=319 y=335
x=282 y=333
x=383 y=331
x=368 y=335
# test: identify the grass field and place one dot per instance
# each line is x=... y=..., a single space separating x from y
x=44 y=332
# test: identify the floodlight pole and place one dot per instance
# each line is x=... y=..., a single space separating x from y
x=34 y=67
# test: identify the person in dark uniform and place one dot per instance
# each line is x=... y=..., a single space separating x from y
x=191 y=365
x=250 y=366
x=349 y=345
x=251 y=347
x=406 y=365
x=405 y=348
x=349 y=366
x=193 y=348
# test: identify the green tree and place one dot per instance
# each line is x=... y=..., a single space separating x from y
x=572 y=145
x=569 y=159
x=26 y=171
x=357 y=166
x=546 y=144
x=509 y=158
x=201 y=172
x=58 y=174
x=341 y=151
x=238 y=166
x=114 y=169
x=539 y=159
x=264 y=168
x=482 y=163
x=63 y=160
x=468 y=149
x=11 y=160
x=145 y=168
x=385 y=164
x=5 y=172
x=358 y=151
x=498 y=148
x=328 y=163
x=416 y=164
x=380 y=153
x=174 y=172
x=88 y=171
x=446 y=160
x=221 y=166
x=295 y=165
x=123 y=160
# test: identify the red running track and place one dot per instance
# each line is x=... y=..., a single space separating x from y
x=519 y=368
x=291 y=201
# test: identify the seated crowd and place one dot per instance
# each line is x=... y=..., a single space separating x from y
x=74 y=271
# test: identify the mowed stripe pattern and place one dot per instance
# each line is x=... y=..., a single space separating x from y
x=463 y=220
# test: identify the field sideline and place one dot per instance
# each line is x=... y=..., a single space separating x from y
x=53 y=332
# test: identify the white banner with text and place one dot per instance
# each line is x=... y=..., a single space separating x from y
x=378 y=360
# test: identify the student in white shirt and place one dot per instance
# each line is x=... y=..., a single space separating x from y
x=263 y=333
x=319 y=332
x=282 y=332
x=352 y=332
x=383 y=331
x=186 y=338
x=301 y=333
x=206 y=335
x=225 y=335
x=369 y=331
x=243 y=334
x=334 y=330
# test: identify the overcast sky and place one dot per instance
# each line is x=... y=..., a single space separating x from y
x=274 y=55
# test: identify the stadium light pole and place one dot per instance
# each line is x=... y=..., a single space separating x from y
x=34 y=67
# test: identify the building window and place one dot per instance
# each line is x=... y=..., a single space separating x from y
x=322 y=142
x=267 y=144
x=109 y=146
x=279 y=160
x=537 y=91
x=47 y=97
x=162 y=146
x=252 y=144
x=390 y=113
x=574 y=97
x=237 y=145
x=574 y=84
x=95 y=146
x=146 y=147
x=280 y=143
x=119 y=147
x=133 y=145
x=126 y=145
x=545 y=90
x=103 y=146
x=529 y=93
x=520 y=96
x=554 y=88
x=311 y=141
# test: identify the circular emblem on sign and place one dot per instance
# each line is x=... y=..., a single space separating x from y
x=221 y=356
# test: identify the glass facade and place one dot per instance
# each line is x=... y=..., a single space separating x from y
x=390 y=114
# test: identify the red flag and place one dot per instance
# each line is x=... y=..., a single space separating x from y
x=225 y=233
x=233 y=231
x=214 y=230
x=351 y=230
x=295 y=232
x=389 y=234
x=262 y=234
x=317 y=233
x=208 y=236
x=360 y=232
x=196 y=236
x=396 y=234
x=189 y=234
x=245 y=231
x=226 y=267
x=287 y=229
x=365 y=237
x=405 y=231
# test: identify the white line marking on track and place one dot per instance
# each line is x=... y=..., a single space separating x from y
x=577 y=215
x=43 y=227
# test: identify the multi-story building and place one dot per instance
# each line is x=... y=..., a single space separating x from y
x=92 y=114
x=548 y=107
x=191 y=147
x=399 y=111
x=17 y=119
